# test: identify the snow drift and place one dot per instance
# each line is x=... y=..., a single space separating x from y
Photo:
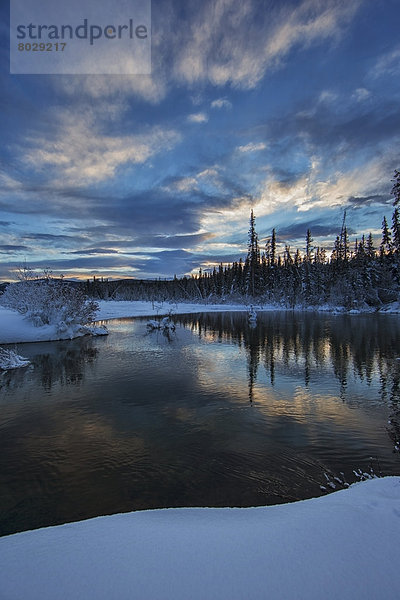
x=341 y=546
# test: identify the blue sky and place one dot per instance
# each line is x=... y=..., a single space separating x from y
x=291 y=107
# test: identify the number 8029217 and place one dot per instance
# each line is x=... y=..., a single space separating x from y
x=42 y=47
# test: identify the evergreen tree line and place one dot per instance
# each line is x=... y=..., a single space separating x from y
x=355 y=275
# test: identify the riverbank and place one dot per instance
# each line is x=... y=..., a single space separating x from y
x=344 y=545
x=113 y=309
x=14 y=328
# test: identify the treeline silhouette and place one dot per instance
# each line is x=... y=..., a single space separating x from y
x=355 y=275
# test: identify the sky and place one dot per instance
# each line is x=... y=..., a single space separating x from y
x=289 y=107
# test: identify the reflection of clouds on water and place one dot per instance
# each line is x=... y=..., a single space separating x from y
x=74 y=466
x=134 y=421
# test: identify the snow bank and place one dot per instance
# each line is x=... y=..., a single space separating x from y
x=15 y=328
x=112 y=309
x=392 y=308
x=342 y=546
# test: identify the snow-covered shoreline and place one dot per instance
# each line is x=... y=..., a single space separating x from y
x=15 y=329
x=113 y=309
x=344 y=545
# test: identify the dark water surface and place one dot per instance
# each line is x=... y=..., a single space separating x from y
x=218 y=414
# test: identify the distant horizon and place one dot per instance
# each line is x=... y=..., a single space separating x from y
x=280 y=251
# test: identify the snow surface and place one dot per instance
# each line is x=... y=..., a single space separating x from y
x=344 y=546
x=15 y=328
x=112 y=309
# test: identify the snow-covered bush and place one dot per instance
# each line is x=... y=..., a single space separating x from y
x=11 y=360
x=165 y=324
x=50 y=301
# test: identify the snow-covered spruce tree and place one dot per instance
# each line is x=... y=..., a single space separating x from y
x=385 y=248
x=253 y=264
x=396 y=187
x=49 y=301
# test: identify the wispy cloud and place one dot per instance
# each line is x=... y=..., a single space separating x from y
x=182 y=184
x=224 y=42
x=314 y=190
x=327 y=96
x=360 y=94
x=387 y=64
x=81 y=153
x=221 y=103
x=151 y=88
x=237 y=43
x=12 y=248
x=252 y=147
x=200 y=117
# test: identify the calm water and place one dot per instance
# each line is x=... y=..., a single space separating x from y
x=218 y=414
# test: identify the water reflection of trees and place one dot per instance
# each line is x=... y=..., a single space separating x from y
x=13 y=378
x=307 y=345
x=65 y=363
x=61 y=362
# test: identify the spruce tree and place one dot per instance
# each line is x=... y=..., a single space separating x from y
x=309 y=247
x=396 y=230
x=273 y=247
x=370 y=249
x=396 y=244
x=386 y=244
x=396 y=187
x=253 y=259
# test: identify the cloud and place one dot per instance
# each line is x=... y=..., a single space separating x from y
x=95 y=251
x=360 y=94
x=11 y=248
x=200 y=117
x=159 y=241
x=53 y=239
x=171 y=208
x=82 y=153
x=298 y=230
x=234 y=43
x=210 y=182
x=344 y=130
x=221 y=103
x=223 y=42
x=327 y=96
x=387 y=64
x=181 y=184
x=151 y=88
x=314 y=190
x=252 y=147
x=8 y=182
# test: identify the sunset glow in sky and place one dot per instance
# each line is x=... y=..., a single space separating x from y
x=291 y=107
